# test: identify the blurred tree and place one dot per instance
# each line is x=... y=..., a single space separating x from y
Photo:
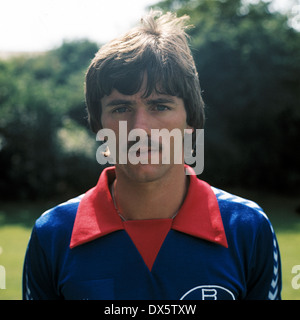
x=38 y=96
x=249 y=66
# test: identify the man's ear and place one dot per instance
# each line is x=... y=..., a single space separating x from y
x=190 y=128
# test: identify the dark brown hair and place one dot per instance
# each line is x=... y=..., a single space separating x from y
x=157 y=47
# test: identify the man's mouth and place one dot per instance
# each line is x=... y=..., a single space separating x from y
x=146 y=147
x=142 y=151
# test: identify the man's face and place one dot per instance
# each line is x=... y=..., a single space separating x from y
x=158 y=111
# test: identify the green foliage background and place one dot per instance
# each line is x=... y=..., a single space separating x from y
x=46 y=148
x=249 y=66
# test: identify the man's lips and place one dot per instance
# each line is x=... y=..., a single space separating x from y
x=140 y=151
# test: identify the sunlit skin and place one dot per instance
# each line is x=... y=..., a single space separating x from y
x=147 y=191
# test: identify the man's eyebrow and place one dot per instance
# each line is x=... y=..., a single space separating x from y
x=160 y=101
x=117 y=102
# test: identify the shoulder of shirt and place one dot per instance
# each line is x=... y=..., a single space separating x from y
x=61 y=216
x=240 y=210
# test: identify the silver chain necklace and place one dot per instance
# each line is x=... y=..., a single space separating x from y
x=112 y=191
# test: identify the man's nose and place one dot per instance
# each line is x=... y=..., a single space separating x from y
x=141 y=120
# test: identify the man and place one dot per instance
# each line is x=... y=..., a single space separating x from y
x=151 y=230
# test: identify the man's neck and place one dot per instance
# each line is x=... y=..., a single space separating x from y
x=159 y=199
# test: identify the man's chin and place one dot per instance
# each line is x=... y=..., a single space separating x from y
x=144 y=172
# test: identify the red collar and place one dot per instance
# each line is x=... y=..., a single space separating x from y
x=199 y=215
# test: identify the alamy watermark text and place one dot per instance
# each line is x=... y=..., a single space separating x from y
x=161 y=147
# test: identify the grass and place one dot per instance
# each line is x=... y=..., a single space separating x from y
x=16 y=221
x=13 y=240
x=282 y=211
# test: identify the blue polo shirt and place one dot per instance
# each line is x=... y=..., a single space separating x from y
x=218 y=247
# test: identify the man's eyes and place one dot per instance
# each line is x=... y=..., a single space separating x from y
x=120 y=109
x=158 y=107
x=161 y=107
